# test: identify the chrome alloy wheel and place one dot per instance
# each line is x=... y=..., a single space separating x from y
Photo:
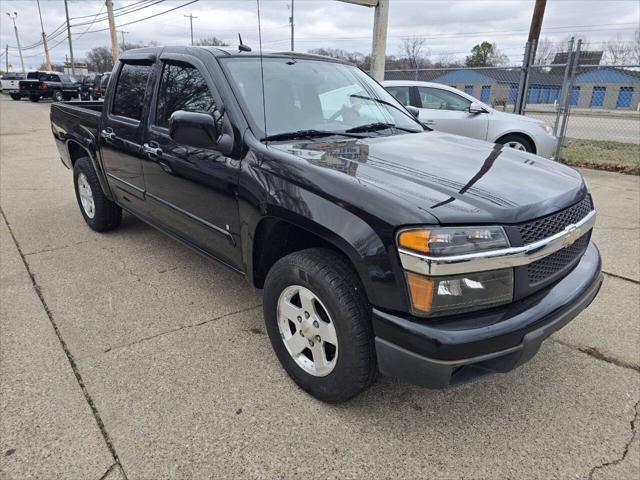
x=517 y=145
x=307 y=330
x=86 y=196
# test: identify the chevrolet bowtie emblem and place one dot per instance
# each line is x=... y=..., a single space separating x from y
x=573 y=234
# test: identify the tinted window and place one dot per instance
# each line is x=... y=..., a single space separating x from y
x=130 y=89
x=437 y=99
x=401 y=94
x=182 y=88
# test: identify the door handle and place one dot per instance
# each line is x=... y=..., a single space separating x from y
x=108 y=135
x=152 y=151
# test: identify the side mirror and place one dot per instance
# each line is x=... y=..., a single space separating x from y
x=475 y=107
x=413 y=111
x=194 y=129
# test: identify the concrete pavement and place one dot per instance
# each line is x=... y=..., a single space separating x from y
x=130 y=356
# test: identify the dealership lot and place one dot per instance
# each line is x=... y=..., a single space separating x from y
x=127 y=354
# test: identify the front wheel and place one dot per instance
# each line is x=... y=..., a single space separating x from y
x=318 y=320
x=100 y=213
x=517 y=142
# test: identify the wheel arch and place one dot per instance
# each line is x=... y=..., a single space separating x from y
x=77 y=150
x=519 y=133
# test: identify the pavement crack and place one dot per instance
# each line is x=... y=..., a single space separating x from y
x=53 y=249
x=182 y=327
x=109 y=470
x=634 y=431
x=599 y=355
x=65 y=348
x=621 y=277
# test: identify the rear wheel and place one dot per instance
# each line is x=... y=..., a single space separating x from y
x=15 y=97
x=58 y=96
x=517 y=142
x=100 y=213
x=318 y=320
x=34 y=98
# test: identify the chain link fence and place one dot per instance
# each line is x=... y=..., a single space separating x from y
x=594 y=110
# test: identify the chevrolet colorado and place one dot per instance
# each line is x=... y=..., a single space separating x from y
x=380 y=246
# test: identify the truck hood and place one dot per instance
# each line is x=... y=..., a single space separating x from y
x=455 y=179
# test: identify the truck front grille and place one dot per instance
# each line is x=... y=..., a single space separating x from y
x=552 y=224
x=547 y=267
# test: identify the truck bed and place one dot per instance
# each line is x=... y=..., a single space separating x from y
x=75 y=120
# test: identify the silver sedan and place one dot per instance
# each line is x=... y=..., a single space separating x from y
x=450 y=110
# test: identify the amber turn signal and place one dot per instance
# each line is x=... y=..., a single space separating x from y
x=421 y=290
x=417 y=240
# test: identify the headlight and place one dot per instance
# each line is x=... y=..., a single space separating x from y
x=436 y=296
x=546 y=128
x=446 y=241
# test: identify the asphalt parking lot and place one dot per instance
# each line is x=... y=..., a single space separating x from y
x=128 y=356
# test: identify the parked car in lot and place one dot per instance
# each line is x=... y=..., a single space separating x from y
x=90 y=86
x=54 y=85
x=448 y=109
x=9 y=81
x=379 y=246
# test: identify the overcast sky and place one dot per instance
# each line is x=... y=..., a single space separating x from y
x=450 y=27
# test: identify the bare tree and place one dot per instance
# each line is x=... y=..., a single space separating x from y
x=99 y=59
x=210 y=42
x=617 y=52
x=414 y=49
x=634 y=56
x=545 y=52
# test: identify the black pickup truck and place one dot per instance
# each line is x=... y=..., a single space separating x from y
x=380 y=246
x=54 y=85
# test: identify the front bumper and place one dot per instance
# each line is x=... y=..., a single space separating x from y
x=443 y=352
x=546 y=145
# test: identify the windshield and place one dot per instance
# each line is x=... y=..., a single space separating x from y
x=68 y=79
x=313 y=95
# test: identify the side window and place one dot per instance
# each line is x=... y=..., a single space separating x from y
x=437 y=99
x=401 y=94
x=53 y=78
x=182 y=88
x=130 y=90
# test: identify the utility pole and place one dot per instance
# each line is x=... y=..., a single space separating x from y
x=529 y=55
x=115 y=51
x=122 y=32
x=292 y=25
x=73 y=64
x=191 y=17
x=536 y=25
x=6 y=59
x=15 y=28
x=379 y=46
x=47 y=59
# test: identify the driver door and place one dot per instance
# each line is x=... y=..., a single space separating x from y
x=447 y=111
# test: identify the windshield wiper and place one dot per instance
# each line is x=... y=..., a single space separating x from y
x=306 y=134
x=389 y=104
x=373 y=127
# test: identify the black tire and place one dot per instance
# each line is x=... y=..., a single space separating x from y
x=58 y=96
x=16 y=97
x=107 y=215
x=34 y=98
x=521 y=139
x=332 y=279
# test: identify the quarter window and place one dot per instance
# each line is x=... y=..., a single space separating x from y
x=182 y=88
x=437 y=99
x=130 y=90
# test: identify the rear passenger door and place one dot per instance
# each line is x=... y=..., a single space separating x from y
x=121 y=133
x=191 y=191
